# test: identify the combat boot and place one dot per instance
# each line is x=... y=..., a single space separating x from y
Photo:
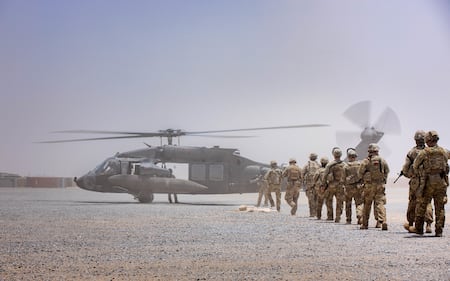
x=363 y=226
x=359 y=220
x=419 y=226
x=378 y=225
x=428 y=228
x=406 y=226
x=438 y=231
x=384 y=226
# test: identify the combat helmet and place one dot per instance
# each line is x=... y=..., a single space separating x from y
x=337 y=152
x=324 y=161
x=273 y=163
x=373 y=147
x=312 y=156
x=431 y=136
x=419 y=135
x=292 y=160
x=351 y=152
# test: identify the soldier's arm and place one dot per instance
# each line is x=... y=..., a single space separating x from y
x=418 y=161
x=406 y=166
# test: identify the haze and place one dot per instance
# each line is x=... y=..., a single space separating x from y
x=213 y=65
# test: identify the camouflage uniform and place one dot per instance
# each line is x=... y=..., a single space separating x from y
x=262 y=190
x=435 y=169
x=414 y=180
x=273 y=179
x=353 y=187
x=374 y=171
x=320 y=187
x=308 y=180
x=334 y=177
x=293 y=174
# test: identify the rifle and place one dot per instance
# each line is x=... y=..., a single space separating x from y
x=399 y=176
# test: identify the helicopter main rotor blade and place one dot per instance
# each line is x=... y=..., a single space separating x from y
x=91 y=139
x=259 y=129
x=135 y=134
x=359 y=114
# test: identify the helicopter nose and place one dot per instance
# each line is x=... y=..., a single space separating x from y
x=80 y=182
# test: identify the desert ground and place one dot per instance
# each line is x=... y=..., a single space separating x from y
x=72 y=234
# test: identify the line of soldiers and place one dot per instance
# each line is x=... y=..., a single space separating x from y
x=337 y=179
x=363 y=182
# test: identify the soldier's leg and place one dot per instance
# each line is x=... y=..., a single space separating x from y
x=170 y=197
x=289 y=196
x=260 y=195
x=175 y=197
x=348 y=203
x=266 y=199
x=439 y=207
x=411 y=211
x=314 y=203
x=368 y=199
x=295 y=196
x=269 y=196
x=421 y=208
x=320 y=199
x=339 y=203
x=380 y=201
x=329 y=204
x=278 y=197
x=428 y=218
x=359 y=205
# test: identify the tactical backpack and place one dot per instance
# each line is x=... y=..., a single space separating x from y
x=294 y=173
x=274 y=177
x=375 y=170
x=434 y=162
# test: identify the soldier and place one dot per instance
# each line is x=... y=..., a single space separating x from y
x=293 y=175
x=374 y=171
x=334 y=178
x=320 y=187
x=308 y=180
x=262 y=190
x=435 y=170
x=414 y=180
x=273 y=179
x=352 y=187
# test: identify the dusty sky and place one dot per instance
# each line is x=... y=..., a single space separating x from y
x=211 y=65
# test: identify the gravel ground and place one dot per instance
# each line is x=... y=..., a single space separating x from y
x=72 y=234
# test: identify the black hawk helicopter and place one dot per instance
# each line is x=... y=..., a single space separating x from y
x=142 y=172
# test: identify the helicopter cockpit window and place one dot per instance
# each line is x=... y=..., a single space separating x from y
x=110 y=166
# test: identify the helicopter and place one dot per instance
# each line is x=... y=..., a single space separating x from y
x=143 y=172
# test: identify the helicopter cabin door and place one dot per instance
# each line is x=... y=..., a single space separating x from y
x=213 y=175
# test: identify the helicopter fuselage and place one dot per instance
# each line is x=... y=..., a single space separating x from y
x=210 y=171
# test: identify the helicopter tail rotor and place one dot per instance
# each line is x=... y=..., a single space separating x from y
x=360 y=115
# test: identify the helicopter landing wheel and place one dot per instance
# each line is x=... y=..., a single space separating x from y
x=145 y=198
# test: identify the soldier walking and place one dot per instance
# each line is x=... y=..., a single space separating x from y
x=273 y=179
x=308 y=180
x=374 y=171
x=262 y=190
x=435 y=169
x=293 y=174
x=320 y=187
x=353 y=187
x=414 y=182
x=334 y=177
